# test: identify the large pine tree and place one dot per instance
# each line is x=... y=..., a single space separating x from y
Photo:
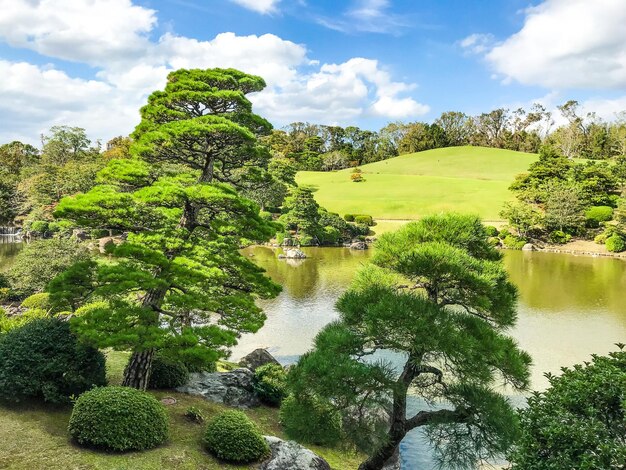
x=178 y=282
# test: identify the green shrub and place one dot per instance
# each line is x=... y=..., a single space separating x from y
x=310 y=420
x=99 y=233
x=503 y=233
x=42 y=260
x=270 y=383
x=514 y=243
x=491 y=231
x=615 y=244
x=493 y=241
x=330 y=235
x=307 y=240
x=349 y=217
x=596 y=215
x=265 y=215
x=42 y=359
x=361 y=229
x=194 y=414
x=232 y=437
x=118 y=419
x=61 y=227
x=39 y=226
x=11 y=322
x=559 y=237
x=41 y=301
x=167 y=373
x=364 y=219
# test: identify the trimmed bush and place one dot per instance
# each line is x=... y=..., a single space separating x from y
x=11 y=322
x=270 y=384
x=503 y=233
x=265 y=215
x=514 y=243
x=118 y=419
x=39 y=226
x=232 y=437
x=41 y=301
x=615 y=244
x=596 y=215
x=493 y=241
x=491 y=231
x=167 y=373
x=330 y=235
x=559 y=237
x=364 y=219
x=43 y=359
x=349 y=217
x=310 y=420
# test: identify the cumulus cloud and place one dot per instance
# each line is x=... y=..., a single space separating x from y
x=96 y=32
x=260 y=6
x=566 y=44
x=129 y=66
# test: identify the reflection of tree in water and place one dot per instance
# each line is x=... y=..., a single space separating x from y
x=562 y=282
x=8 y=250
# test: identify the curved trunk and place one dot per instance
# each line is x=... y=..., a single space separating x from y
x=387 y=451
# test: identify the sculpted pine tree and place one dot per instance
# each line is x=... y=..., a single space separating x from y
x=438 y=299
x=178 y=282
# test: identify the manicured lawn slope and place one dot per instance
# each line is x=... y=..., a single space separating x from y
x=462 y=179
x=34 y=437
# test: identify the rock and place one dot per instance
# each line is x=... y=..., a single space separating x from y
x=106 y=243
x=79 y=234
x=230 y=388
x=257 y=358
x=292 y=456
x=295 y=254
x=358 y=246
x=528 y=247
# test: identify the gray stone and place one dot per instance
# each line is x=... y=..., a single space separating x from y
x=79 y=234
x=358 y=246
x=229 y=388
x=528 y=247
x=257 y=358
x=289 y=455
x=106 y=243
x=295 y=254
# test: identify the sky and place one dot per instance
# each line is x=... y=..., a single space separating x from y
x=92 y=63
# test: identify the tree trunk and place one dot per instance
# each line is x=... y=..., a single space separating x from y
x=137 y=372
x=387 y=451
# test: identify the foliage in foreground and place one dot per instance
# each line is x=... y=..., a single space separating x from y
x=232 y=437
x=118 y=419
x=439 y=295
x=311 y=419
x=579 y=422
x=43 y=360
x=270 y=383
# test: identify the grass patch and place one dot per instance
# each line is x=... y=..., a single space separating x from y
x=461 y=179
x=34 y=436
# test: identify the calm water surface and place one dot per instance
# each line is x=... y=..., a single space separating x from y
x=570 y=307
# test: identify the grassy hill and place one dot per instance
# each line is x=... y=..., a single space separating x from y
x=463 y=179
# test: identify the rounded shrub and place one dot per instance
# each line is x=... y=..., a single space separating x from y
x=43 y=359
x=167 y=373
x=349 y=217
x=559 y=237
x=597 y=214
x=232 y=437
x=311 y=420
x=615 y=244
x=118 y=419
x=265 y=215
x=491 y=231
x=503 y=233
x=514 y=243
x=270 y=384
x=41 y=301
x=39 y=226
x=364 y=219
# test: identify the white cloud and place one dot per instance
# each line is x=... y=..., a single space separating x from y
x=129 y=66
x=95 y=32
x=567 y=44
x=477 y=43
x=372 y=16
x=260 y=6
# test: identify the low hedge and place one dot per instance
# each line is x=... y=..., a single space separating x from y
x=615 y=244
x=597 y=214
x=167 y=373
x=118 y=419
x=232 y=437
x=364 y=219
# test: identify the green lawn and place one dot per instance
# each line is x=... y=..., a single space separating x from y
x=462 y=179
x=34 y=436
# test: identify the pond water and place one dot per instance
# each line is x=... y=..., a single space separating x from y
x=569 y=308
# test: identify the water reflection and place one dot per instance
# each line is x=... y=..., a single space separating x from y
x=570 y=307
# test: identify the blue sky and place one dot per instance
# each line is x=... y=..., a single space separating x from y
x=92 y=63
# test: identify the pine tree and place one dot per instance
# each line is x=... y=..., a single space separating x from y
x=178 y=282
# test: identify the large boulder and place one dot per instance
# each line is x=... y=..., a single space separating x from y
x=291 y=455
x=358 y=245
x=229 y=388
x=528 y=247
x=257 y=358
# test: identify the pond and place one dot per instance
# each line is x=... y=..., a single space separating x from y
x=569 y=308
